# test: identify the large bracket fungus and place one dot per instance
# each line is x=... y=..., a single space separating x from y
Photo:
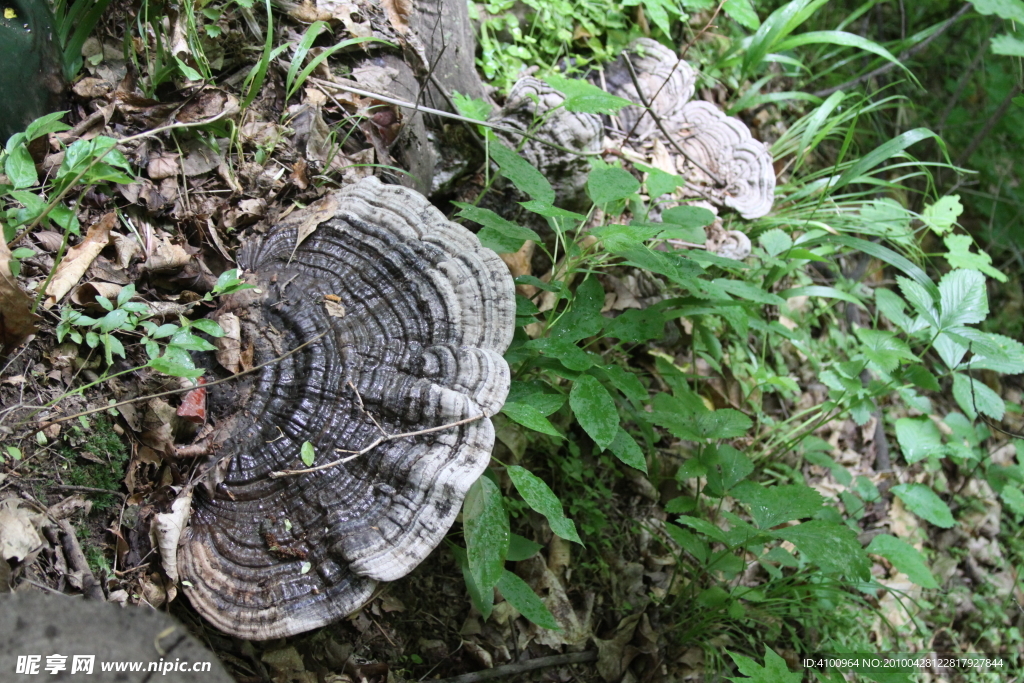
x=530 y=101
x=741 y=173
x=387 y=319
x=666 y=83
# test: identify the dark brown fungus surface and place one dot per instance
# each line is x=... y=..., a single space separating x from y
x=419 y=318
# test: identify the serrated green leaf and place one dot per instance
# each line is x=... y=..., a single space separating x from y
x=689 y=542
x=775 y=669
x=726 y=467
x=775 y=241
x=595 y=410
x=522 y=597
x=307 y=453
x=884 y=349
x=772 y=505
x=961 y=256
x=963 y=299
x=924 y=503
x=485 y=522
x=625 y=448
x=541 y=498
x=609 y=184
x=892 y=307
x=941 y=216
x=525 y=177
x=1006 y=9
x=704 y=527
x=1003 y=354
x=566 y=351
x=921 y=299
x=1013 y=498
x=833 y=547
x=742 y=12
x=905 y=557
x=1009 y=45
x=975 y=397
x=919 y=438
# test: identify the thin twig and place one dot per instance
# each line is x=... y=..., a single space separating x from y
x=384 y=437
x=171 y=392
x=682 y=54
x=449 y=115
x=522 y=667
x=661 y=127
x=84 y=489
x=904 y=56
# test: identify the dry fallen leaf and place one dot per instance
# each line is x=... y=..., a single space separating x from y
x=229 y=347
x=317 y=213
x=17 y=321
x=166 y=255
x=79 y=258
x=164 y=533
x=85 y=294
x=398 y=13
x=18 y=536
x=162 y=166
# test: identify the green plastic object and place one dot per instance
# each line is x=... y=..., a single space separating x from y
x=31 y=75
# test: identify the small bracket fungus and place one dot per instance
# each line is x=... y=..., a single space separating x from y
x=529 y=101
x=742 y=177
x=411 y=348
x=666 y=83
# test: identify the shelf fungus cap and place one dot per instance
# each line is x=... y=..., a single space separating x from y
x=529 y=101
x=666 y=81
x=743 y=177
x=378 y=311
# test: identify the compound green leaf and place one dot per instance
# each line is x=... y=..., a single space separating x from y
x=584 y=97
x=775 y=669
x=962 y=298
x=976 y=397
x=772 y=505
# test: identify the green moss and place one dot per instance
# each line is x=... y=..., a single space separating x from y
x=100 y=441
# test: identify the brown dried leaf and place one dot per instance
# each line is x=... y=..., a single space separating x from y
x=229 y=347
x=398 y=12
x=19 y=539
x=308 y=220
x=49 y=240
x=79 y=258
x=17 y=321
x=166 y=255
x=162 y=166
x=85 y=294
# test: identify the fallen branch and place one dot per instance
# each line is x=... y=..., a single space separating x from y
x=77 y=562
x=352 y=455
x=522 y=667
